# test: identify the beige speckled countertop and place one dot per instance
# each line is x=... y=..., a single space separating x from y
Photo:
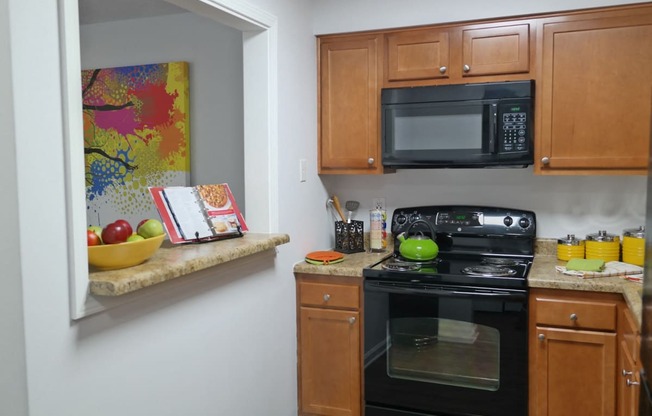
x=172 y=261
x=542 y=274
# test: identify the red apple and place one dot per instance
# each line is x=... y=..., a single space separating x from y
x=92 y=239
x=126 y=224
x=115 y=233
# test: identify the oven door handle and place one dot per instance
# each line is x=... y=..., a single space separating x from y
x=447 y=292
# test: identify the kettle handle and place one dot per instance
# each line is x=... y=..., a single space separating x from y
x=420 y=221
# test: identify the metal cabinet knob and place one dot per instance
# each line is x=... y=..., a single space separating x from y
x=442 y=69
x=327 y=297
x=352 y=320
x=541 y=337
x=466 y=68
x=632 y=383
x=573 y=317
x=371 y=160
x=545 y=160
x=626 y=373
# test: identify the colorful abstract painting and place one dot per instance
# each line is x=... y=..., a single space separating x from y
x=136 y=135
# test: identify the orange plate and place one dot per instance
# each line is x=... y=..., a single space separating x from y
x=324 y=256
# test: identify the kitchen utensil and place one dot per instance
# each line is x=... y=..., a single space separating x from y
x=602 y=245
x=338 y=207
x=634 y=246
x=351 y=206
x=331 y=208
x=570 y=247
x=418 y=247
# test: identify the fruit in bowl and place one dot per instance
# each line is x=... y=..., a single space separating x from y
x=122 y=250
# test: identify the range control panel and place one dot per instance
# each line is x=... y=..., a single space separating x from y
x=467 y=220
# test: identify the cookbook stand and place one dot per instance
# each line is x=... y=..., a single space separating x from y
x=198 y=240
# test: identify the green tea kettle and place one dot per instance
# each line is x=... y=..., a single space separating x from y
x=418 y=247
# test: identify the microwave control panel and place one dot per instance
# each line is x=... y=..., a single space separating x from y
x=513 y=122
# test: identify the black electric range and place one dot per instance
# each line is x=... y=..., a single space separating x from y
x=478 y=246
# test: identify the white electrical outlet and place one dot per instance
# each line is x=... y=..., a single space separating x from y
x=378 y=203
x=302 y=169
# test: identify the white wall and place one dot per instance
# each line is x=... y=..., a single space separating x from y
x=13 y=381
x=214 y=54
x=225 y=343
x=569 y=204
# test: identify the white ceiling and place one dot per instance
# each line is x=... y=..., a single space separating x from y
x=98 y=11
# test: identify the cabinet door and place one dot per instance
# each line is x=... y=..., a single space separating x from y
x=575 y=370
x=330 y=370
x=595 y=95
x=496 y=50
x=628 y=383
x=415 y=55
x=349 y=105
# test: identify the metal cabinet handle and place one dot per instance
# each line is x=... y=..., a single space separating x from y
x=545 y=160
x=371 y=160
x=573 y=317
x=327 y=297
x=626 y=373
x=352 y=320
x=466 y=68
x=632 y=383
x=541 y=337
x=442 y=69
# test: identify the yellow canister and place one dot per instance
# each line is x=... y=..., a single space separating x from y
x=570 y=247
x=634 y=246
x=603 y=245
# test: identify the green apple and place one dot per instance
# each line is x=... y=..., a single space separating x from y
x=97 y=230
x=150 y=228
x=135 y=237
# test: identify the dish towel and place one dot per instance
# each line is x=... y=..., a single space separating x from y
x=585 y=265
x=611 y=268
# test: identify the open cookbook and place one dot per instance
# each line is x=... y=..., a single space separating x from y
x=199 y=213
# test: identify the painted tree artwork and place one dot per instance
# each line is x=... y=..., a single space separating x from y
x=136 y=135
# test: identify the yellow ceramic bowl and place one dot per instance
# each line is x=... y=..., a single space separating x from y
x=118 y=256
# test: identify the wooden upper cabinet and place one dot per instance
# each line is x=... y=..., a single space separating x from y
x=594 y=96
x=451 y=54
x=422 y=54
x=349 y=104
x=496 y=50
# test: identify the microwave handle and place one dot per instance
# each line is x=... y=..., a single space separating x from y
x=493 y=127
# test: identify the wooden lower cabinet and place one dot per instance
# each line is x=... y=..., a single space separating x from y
x=329 y=345
x=573 y=352
x=575 y=370
x=628 y=377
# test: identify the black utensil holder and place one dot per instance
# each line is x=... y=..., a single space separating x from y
x=349 y=236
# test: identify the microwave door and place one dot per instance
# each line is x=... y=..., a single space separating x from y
x=439 y=133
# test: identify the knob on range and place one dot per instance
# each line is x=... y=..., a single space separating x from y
x=401 y=219
x=508 y=221
x=524 y=222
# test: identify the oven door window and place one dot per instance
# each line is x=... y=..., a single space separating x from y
x=444 y=351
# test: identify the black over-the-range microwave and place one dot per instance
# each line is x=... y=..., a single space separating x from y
x=458 y=126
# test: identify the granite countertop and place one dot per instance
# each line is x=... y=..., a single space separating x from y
x=542 y=274
x=172 y=261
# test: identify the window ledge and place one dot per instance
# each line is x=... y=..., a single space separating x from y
x=172 y=261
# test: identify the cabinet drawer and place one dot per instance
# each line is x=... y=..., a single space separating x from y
x=329 y=295
x=577 y=314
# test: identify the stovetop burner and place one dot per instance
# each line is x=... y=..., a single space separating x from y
x=489 y=270
x=501 y=261
x=400 y=264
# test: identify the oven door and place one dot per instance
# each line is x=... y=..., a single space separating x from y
x=443 y=350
